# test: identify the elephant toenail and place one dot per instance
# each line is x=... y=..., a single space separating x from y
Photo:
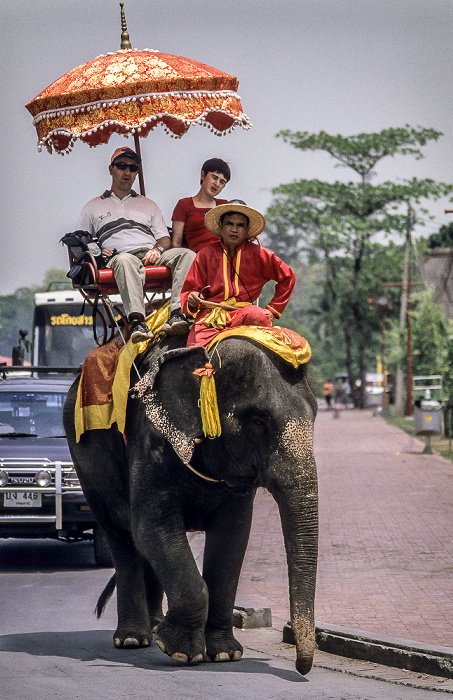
x=197 y=659
x=161 y=645
x=131 y=642
x=182 y=658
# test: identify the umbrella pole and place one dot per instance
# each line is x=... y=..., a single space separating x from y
x=140 y=172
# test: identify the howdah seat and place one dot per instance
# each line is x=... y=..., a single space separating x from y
x=96 y=284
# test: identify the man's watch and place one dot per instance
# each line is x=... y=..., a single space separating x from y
x=159 y=248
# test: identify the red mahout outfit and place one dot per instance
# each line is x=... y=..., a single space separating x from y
x=237 y=281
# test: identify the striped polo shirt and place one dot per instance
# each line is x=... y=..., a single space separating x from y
x=123 y=224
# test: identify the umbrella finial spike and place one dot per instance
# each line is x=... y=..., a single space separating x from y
x=125 y=42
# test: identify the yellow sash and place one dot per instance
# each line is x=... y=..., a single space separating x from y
x=218 y=318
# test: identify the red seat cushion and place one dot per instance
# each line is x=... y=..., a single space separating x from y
x=157 y=277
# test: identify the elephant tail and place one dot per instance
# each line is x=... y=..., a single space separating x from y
x=105 y=596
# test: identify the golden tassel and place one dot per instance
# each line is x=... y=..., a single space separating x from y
x=208 y=401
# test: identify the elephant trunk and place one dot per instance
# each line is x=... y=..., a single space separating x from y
x=298 y=506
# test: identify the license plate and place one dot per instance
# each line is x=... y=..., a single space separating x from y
x=22 y=499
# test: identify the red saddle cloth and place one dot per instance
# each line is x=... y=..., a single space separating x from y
x=105 y=380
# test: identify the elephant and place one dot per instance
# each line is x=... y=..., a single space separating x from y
x=166 y=478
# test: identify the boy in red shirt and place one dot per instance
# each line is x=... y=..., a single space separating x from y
x=227 y=276
x=188 y=229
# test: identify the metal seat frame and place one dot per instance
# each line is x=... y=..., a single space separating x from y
x=96 y=285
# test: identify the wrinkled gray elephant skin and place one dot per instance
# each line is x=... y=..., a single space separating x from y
x=145 y=498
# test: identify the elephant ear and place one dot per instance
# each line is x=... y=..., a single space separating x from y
x=170 y=392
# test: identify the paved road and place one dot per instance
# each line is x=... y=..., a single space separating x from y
x=51 y=646
x=386 y=536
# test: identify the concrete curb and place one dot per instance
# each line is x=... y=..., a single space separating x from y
x=248 y=616
x=387 y=651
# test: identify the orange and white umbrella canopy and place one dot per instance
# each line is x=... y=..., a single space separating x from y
x=131 y=91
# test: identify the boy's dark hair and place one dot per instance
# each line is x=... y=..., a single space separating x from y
x=217 y=165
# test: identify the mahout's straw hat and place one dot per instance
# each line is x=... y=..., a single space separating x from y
x=236 y=206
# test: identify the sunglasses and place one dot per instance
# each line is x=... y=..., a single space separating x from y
x=124 y=166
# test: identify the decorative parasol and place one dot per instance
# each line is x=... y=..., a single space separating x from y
x=130 y=92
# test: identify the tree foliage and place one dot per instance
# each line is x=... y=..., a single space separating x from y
x=16 y=310
x=443 y=238
x=337 y=223
x=362 y=152
x=430 y=335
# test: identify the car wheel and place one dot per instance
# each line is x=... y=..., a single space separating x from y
x=102 y=555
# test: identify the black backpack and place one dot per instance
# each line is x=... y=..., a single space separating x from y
x=79 y=243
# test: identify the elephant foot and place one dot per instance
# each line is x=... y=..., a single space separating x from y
x=125 y=637
x=222 y=646
x=184 y=646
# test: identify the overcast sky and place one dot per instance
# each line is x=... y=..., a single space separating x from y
x=342 y=66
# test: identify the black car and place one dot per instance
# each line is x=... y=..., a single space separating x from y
x=40 y=494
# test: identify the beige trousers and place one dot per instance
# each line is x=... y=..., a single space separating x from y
x=129 y=274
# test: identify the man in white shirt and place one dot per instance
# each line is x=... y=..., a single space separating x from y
x=131 y=232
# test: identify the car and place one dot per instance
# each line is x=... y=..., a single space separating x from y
x=40 y=494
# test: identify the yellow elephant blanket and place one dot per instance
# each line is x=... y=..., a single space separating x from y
x=288 y=344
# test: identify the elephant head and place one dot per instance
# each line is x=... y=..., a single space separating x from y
x=267 y=411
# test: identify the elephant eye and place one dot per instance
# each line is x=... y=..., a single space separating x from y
x=255 y=421
x=258 y=422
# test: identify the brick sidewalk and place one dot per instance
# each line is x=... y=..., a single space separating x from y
x=386 y=535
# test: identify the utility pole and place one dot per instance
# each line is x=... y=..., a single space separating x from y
x=409 y=345
x=399 y=393
x=405 y=319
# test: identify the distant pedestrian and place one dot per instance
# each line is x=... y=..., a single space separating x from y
x=339 y=398
x=328 y=391
x=347 y=392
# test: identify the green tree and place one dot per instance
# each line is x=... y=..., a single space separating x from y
x=338 y=222
x=430 y=335
x=54 y=278
x=443 y=238
x=16 y=310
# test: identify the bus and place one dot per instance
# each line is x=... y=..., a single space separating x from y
x=62 y=328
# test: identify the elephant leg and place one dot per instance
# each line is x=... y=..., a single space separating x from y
x=154 y=596
x=101 y=464
x=163 y=542
x=227 y=534
x=135 y=618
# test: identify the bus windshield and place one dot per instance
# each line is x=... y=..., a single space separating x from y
x=63 y=335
